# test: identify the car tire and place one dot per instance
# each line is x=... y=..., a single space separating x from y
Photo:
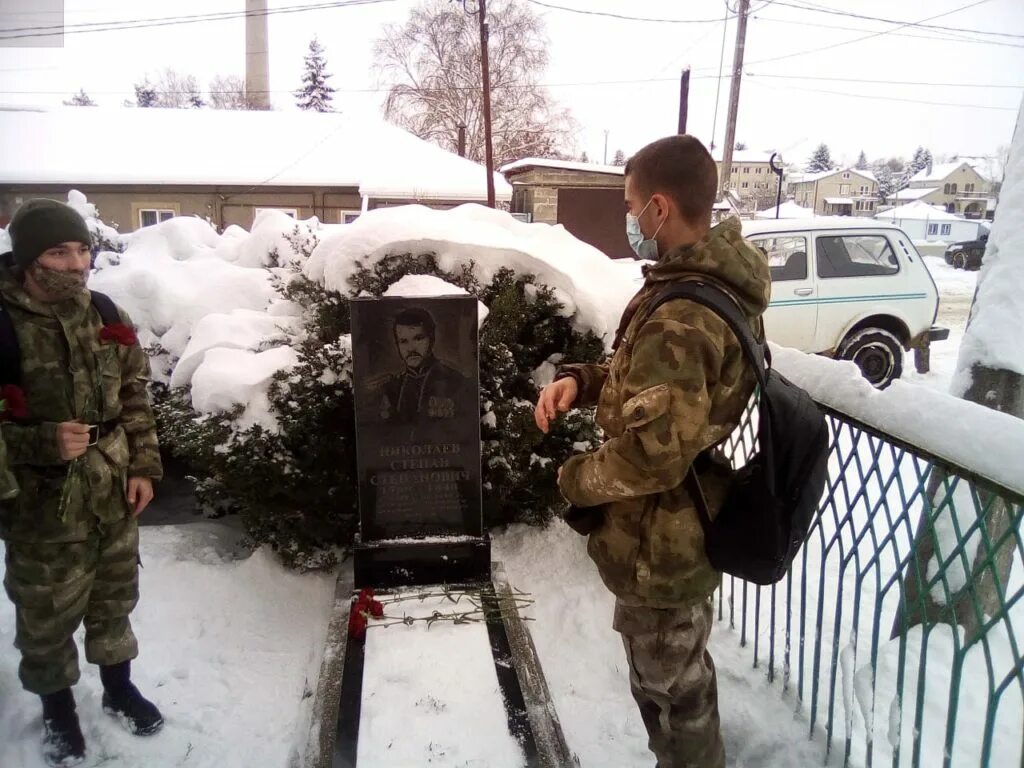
x=878 y=354
x=959 y=260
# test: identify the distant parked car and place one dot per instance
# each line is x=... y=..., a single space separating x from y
x=968 y=254
x=847 y=288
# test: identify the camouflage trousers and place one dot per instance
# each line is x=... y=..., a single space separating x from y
x=55 y=587
x=673 y=681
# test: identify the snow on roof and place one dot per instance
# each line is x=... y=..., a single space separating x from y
x=915 y=194
x=940 y=171
x=788 y=210
x=918 y=211
x=565 y=165
x=865 y=172
x=839 y=200
x=77 y=146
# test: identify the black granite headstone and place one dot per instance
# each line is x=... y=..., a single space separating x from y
x=416 y=383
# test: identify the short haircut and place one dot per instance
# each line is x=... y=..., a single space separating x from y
x=415 y=316
x=681 y=168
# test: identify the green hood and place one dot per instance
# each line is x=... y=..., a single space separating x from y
x=725 y=258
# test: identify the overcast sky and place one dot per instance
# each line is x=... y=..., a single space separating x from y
x=790 y=103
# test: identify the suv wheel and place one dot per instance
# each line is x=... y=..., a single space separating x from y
x=878 y=354
x=960 y=260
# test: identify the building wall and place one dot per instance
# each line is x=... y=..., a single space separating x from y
x=757 y=176
x=535 y=190
x=224 y=206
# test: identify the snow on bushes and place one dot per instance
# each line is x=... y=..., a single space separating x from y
x=249 y=334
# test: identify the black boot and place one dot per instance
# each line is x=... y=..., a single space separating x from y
x=123 y=700
x=63 y=742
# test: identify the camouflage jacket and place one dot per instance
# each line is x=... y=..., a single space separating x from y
x=8 y=485
x=676 y=385
x=68 y=374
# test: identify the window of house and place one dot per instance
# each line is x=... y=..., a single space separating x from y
x=347 y=217
x=787 y=256
x=933 y=229
x=747 y=169
x=946 y=229
x=746 y=184
x=846 y=175
x=863 y=189
x=150 y=216
x=293 y=212
x=759 y=169
x=952 y=189
x=855 y=256
x=844 y=190
x=969 y=187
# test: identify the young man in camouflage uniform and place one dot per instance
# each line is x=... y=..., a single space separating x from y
x=676 y=385
x=85 y=457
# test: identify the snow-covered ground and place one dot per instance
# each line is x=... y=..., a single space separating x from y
x=229 y=649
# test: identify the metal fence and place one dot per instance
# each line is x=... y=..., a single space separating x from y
x=898 y=631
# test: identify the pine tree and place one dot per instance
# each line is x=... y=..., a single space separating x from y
x=145 y=94
x=584 y=158
x=740 y=146
x=315 y=93
x=862 y=162
x=80 y=99
x=620 y=158
x=821 y=160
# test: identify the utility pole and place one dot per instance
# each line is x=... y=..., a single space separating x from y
x=462 y=140
x=684 y=99
x=605 y=161
x=734 y=96
x=485 y=63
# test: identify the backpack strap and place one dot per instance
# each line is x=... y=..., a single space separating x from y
x=10 y=352
x=756 y=353
x=106 y=308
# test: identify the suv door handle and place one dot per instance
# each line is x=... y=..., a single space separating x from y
x=803 y=291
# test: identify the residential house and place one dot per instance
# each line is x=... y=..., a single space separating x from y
x=750 y=178
x=924 y=222
x=958 y=187
x=143 y=166
x=839 y=192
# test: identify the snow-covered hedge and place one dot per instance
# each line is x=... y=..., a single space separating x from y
x=249 y=334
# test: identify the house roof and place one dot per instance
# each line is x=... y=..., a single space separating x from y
x=133 y=146
x=915 y=194
x=566 y=165
x=940 y=171
x=800 y=178
x=918 y=211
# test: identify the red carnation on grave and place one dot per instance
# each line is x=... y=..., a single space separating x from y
x=376 y=609
x=12 y=402
x=356 y=624
x=120 y=333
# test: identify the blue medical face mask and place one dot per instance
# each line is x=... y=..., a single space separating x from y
x=642 y=247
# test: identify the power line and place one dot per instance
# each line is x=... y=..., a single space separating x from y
x=947 y=37
x=888 y=82
x=622 y=17
x=833 y=46
x=821 y=9
x=844 y=94
x=167 y=21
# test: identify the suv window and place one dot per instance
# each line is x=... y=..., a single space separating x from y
x=787 y=256
x=855 y=256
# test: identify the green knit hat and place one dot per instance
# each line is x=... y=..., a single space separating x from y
x=40 y=224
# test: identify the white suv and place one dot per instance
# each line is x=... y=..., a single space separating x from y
x=852 y=289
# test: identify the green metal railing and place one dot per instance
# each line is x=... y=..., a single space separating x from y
x=899 y=628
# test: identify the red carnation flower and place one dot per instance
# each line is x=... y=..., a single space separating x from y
x=357 y=625
x=376 y=609
x=12 y=402
x=120 y=333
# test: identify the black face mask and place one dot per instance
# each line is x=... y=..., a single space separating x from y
x=58 y=285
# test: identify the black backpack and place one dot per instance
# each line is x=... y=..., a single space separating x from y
x=10 y=351
x=773 y=500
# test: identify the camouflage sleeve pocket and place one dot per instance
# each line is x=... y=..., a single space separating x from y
x=647 y=406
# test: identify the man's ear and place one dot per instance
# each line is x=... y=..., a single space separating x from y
x=662 y=205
